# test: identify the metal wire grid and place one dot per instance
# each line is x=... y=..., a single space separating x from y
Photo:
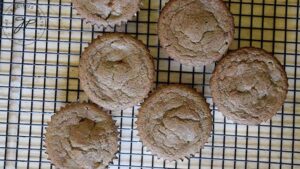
x=39 y=74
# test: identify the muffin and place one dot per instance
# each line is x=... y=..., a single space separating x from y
x=116 y=71
x=249 y=86
x=107 y=12
x=81 y=136
x=174 y=122
x=196 y=32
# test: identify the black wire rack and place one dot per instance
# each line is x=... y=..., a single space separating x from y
x=40 y=46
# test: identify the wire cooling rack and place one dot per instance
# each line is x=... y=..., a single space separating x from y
x=41 y=42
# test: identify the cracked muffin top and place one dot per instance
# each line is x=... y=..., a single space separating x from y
x=81 y=136
x=107 y=12
x=196 y=32
x=116 y=71
x=174 y=122
x=249 y=86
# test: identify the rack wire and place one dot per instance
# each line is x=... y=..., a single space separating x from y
x=40 y=46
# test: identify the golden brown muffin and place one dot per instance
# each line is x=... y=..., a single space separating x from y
x=196 y=32
x=81 y=136
x=174 y=122
x=249 y=86
x=116 y=71
x=107 y=12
